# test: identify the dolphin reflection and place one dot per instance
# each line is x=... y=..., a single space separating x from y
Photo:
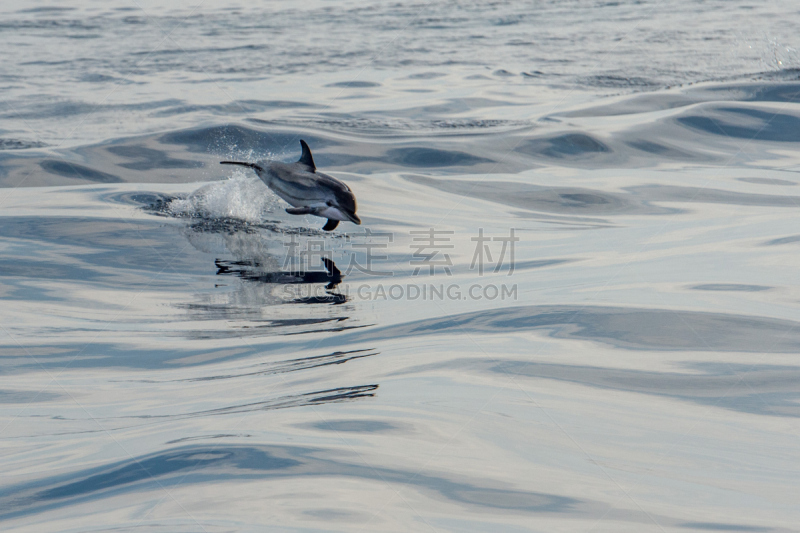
x=244 y=270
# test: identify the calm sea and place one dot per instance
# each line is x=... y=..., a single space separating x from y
x=572 y=304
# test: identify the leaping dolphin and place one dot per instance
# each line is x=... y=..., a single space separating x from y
x=309 y=192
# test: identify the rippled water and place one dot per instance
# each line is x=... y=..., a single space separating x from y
x=177 y=356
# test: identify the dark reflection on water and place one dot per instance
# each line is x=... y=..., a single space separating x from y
x=339 y=394
x=569 y=145
x=20 y=144
x=152 y=201
x=674 y=193
x=333 y=298
x=276 y=326
x=732 y=287
x=561 y=200
x=236 y=107
x=660 y=150
x=768 y=181
x=757 y=389
x=745 y=123
x=782 y=240
x=245 y=270
x=25 y=397
x=148 y=159
x=69 y=169
x=210 y=437
x=355 y=426
x=291 y=365
x=308 y=399
x=722 y=526
x=623 y=327
x=355 y=84
x=734 y=92
x=24 y=267
x=637 y=200
x=776 y=90
x=98 y=355
x=97 y=243
x=203 y=464
x=105 y=481
x=432 y=158
x=220 y=139
x=541 y=263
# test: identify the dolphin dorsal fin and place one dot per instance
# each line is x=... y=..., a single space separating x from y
x=306 y=158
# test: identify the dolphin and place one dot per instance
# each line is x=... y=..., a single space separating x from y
x=308 y=192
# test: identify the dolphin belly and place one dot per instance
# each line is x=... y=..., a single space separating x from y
x=319 y=210
x=333 y=213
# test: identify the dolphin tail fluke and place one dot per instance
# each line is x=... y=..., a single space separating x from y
x=330 y=225
x=306 y=158
x=251 y=165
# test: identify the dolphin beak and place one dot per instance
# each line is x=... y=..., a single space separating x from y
x=354 y=218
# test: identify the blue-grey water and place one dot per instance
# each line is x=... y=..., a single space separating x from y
x=572 y=304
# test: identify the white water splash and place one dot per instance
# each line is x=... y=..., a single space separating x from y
x=240 y=197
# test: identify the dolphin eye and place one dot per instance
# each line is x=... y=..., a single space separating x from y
x=328 y=203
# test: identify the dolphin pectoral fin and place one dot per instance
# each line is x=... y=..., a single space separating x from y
x=330 y=225
x=251 y=165
x=305 y=210
x=306 y=158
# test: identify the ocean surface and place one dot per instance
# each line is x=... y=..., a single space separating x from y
x=572 y=304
